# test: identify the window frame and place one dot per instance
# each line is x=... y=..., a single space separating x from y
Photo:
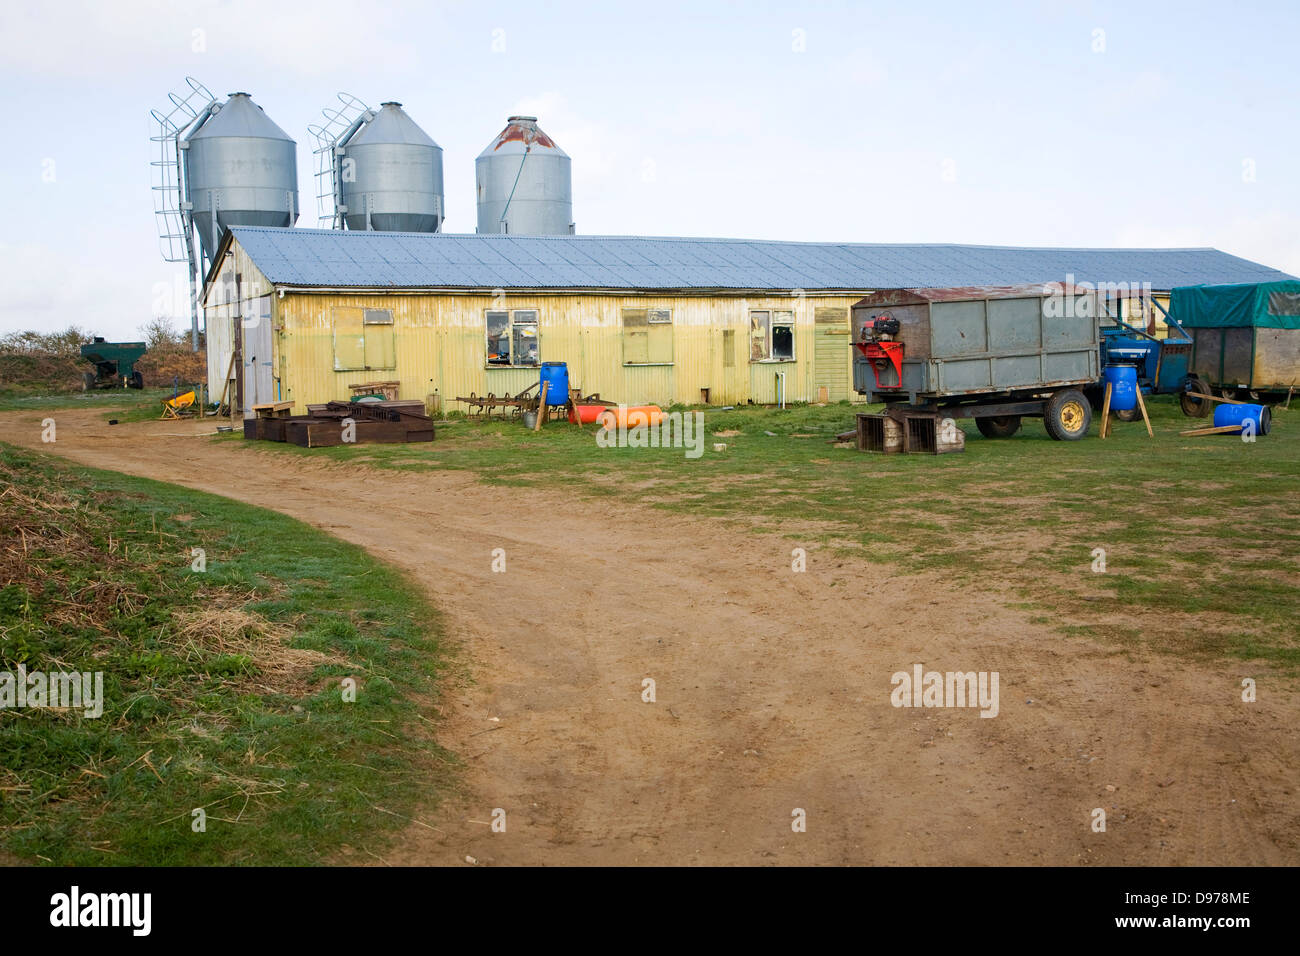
x=656 y=318
x=360 y=333
x=511 y=330
x=772 y=322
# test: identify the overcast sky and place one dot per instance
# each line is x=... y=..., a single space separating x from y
x=1058 y=123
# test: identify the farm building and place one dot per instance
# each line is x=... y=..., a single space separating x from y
x=306 y=313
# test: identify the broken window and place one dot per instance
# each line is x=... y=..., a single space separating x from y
x=771 y=336
x=647 y=337
x=512 y=337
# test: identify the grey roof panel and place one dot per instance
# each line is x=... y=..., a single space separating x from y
x=327 y=258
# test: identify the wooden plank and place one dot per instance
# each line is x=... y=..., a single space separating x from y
x=1143 y=405
x=1220 y=430
x=1105 y=412
x=541 y=408
x=230 y=367
x=1224 y=401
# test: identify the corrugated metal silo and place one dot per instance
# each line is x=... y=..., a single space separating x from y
x=525 y=183
x=241 y=169
x=392 y=175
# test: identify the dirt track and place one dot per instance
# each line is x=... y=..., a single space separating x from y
x=773 y=690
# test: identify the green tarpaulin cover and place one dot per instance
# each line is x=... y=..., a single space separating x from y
x=1263 y=305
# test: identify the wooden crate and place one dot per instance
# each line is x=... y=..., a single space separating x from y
x=929 y=433
x=324 y=433
x=911 y=432
x=879 y=433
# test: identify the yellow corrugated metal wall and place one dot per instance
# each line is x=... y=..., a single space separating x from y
x=440 y=346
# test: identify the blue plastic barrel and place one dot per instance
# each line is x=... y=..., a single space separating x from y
x=1123 y=381
x=555 y=376
x=1237 y=414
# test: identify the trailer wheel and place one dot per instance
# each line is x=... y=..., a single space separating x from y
x=135 y=381
x=87 y=381
x=998 y=426
x=1192 y=406
x=1067 y=415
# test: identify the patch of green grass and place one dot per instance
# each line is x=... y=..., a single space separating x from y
x=1204 y=526
x=222 y=689
x=126 y=404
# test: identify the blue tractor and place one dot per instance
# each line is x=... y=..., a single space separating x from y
x=1162 y=364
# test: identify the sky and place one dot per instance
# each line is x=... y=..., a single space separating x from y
x=1047 y=124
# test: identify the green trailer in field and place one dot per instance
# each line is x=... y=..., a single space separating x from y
x=114 y=364
x=1245 y=338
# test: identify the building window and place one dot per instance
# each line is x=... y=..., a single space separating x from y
x=771 y=336
x=512 y=338
x=363 y=339
x=647 y=337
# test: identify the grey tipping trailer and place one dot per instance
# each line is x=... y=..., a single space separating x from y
x=995 y=354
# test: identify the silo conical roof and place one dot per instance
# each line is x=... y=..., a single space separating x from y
x=521 y=133
x=240 y=116
x=392 y=125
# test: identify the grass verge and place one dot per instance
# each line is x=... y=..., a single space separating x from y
x=222 y=689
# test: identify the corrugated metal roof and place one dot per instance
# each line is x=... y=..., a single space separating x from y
x=333 y=259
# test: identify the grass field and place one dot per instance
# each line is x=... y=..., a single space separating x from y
x=1201 y=538
x=128 y=402
x=222 y=689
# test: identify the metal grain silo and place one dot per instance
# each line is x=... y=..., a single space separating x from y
x=525 y=183
x=240 y=169
x=391 y=175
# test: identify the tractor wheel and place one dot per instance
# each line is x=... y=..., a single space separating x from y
x=1130 y=415
x=1067 y=415
x=1192 y=406
x=87 y=381
x=999 y=426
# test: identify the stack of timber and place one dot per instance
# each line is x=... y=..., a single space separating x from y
x=340 y=423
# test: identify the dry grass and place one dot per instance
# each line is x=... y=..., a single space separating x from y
x=204 y=633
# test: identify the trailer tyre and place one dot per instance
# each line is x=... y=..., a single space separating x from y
x=1000 y=426
x=87 y=381
x=1192 y=406
x=1067 y=416
x=135 y=381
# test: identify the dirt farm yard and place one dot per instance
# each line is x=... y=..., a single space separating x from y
x=772 y=688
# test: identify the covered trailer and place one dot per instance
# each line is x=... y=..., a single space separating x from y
x=1245 y=339
x=995 y=354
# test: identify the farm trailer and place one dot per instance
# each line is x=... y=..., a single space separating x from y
x=994 y=354
x=114 y=364
x=1245 y=341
